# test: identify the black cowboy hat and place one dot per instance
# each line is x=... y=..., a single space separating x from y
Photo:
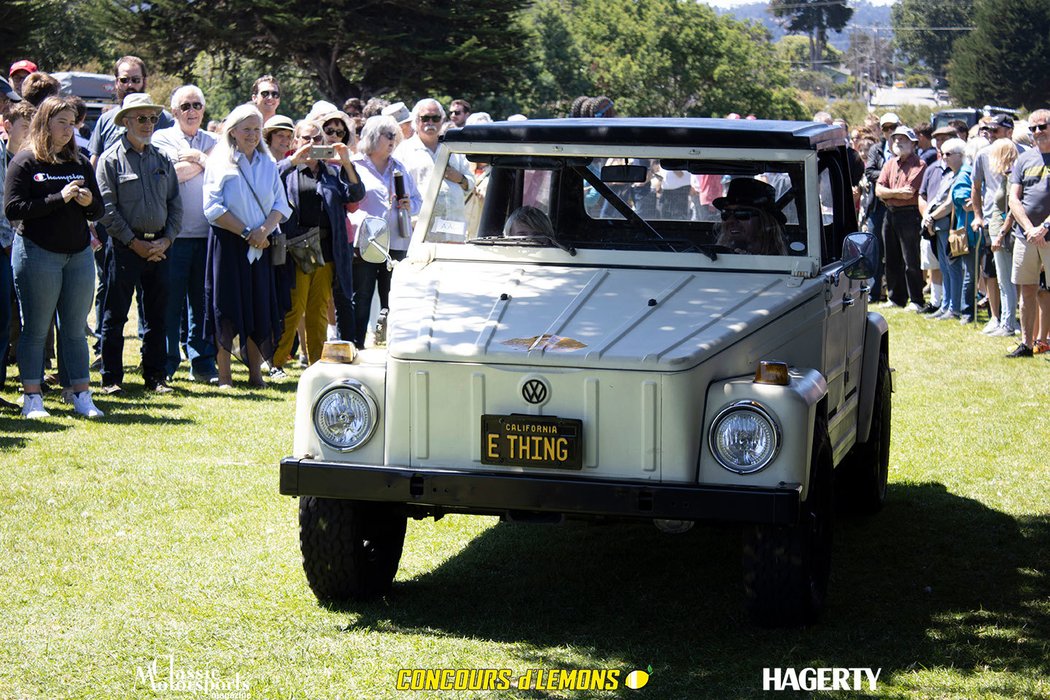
x=745 y=192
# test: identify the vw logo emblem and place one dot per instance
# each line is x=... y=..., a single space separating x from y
x=534 y=391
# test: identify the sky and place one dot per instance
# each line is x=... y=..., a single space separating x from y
x=734 y=3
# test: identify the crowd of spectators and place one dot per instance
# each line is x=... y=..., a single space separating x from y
x=237 y=237
x=989 y=185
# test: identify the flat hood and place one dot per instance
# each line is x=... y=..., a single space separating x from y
x=651 y=319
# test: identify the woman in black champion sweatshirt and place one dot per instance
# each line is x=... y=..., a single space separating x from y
x=50 y=195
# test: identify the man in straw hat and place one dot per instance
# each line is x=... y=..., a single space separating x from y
x=140 y=190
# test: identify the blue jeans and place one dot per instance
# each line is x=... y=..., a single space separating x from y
x=47 y=282
x=951 y=272
x=7 y=287
x=186 y=270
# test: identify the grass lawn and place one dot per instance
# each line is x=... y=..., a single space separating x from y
x=156 y=537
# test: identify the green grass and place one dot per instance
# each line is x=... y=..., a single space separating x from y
x=159 y=530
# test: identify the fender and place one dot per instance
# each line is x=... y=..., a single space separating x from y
x=876 y=341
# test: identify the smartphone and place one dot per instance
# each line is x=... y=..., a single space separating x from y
x=322 y=152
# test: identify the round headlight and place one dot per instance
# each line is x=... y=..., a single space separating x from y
x=345 y=415
x=744 y=437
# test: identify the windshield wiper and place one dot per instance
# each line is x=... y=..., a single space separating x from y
x=535 y=239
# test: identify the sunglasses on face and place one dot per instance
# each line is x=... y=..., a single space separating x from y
x=142 y=118
x=1040 y=127
x=267 y=94
x=315 y=138
x=187 y=106
x=134 y=80
x=338 y=133
x=390 y=135
x=430 y=118
x=889 y=127
x=741 y=214
x=456 y=112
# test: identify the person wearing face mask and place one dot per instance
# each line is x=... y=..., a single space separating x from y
x=898 y=188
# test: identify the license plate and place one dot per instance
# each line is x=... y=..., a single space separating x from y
x=532 y=441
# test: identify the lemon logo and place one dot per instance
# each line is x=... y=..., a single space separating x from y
x=637 y=679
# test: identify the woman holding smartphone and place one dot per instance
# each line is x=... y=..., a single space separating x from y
x=50 y=195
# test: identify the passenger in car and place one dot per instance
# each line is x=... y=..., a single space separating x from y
x=751 y=222
x=528 y=222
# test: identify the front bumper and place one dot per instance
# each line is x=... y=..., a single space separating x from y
x=445 y=490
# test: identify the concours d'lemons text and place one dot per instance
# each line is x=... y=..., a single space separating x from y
x=504 y=679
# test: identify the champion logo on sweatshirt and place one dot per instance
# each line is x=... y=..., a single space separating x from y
x=43 y=177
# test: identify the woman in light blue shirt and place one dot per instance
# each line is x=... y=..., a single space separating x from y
x=245 y=202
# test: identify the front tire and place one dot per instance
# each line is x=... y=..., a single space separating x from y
x=787 y=567
x=351 y=549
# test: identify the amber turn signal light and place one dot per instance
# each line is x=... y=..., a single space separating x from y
x=772 y=373
x=339 y=352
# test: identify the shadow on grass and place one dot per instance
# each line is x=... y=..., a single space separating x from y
x=16 y=431
x=935 y=581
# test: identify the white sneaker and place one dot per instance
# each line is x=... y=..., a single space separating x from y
x=83 y=405
x=993 y=324
x=33 y=406
x=913 y=307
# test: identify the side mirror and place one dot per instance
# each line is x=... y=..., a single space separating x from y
x=373 y=240
x=860 y=256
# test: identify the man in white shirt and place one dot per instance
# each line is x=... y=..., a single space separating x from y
x=419 y=153
x=188 y=146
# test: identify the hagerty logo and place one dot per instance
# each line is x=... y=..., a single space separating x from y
x=819 y=678
x=166 y=676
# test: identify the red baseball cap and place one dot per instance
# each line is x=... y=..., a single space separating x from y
x=27 y=66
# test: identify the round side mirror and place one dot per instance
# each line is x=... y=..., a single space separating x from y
x=373 y=240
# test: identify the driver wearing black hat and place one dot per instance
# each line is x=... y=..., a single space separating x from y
x=752 y=224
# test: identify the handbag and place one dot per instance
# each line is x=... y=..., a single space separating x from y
x=958 y=240
x=305 y=250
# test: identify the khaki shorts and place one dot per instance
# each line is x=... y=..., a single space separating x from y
x=1028 y=260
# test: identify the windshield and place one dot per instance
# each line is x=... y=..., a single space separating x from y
x=753 y=207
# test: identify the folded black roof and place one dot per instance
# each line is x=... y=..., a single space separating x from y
x=729 y=133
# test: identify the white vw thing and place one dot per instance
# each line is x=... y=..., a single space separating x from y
x=661 y=320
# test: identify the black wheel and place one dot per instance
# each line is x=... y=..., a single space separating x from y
x=861 y=478
x=351 y=549
x=786 y=567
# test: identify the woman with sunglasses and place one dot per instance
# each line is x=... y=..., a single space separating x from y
x=751 y=222
x=376 y=164
x=51 y=194
x=245 y=202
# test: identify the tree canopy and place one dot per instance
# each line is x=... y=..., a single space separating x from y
x=814 y=18
x=924 y=30
x=1003 y=61
x=352 y=49
x=662 y=57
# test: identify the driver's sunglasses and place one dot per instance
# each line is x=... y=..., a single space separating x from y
x=740 y=214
